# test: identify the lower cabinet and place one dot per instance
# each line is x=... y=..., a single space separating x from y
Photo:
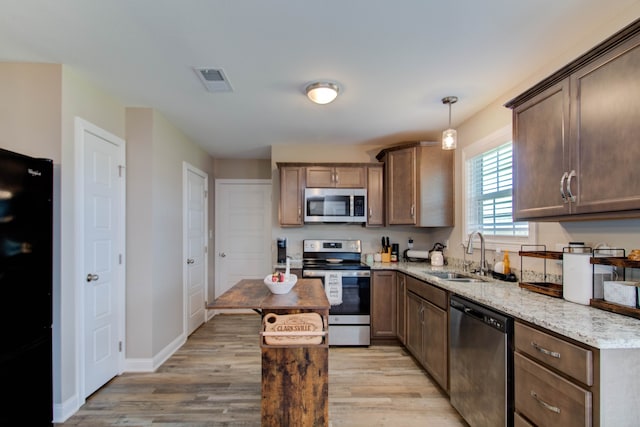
x=553 y=379
x=383 y=304
x=427 y=328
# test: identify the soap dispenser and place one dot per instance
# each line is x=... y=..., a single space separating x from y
x=506 y=267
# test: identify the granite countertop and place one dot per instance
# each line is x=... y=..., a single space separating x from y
x=589 y=325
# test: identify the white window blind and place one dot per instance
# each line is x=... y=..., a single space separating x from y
x=490 y=180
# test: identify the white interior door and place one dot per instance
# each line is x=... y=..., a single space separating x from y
x=243 y=231
x=195 y=245
x=103 y=255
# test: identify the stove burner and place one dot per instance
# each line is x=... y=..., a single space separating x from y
x=333 y=255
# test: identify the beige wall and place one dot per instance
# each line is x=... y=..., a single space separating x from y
x=170 y=149
x=156 y=151
x=242 y=168
x=139 y=125
x=30 y=108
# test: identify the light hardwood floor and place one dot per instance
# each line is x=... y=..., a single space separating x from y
x=214 y=380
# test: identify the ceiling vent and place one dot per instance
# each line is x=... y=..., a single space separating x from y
x=213 y=79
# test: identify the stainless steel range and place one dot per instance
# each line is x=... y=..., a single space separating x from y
x=349 y=321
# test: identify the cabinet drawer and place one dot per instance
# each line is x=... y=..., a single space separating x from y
x=575 y=361
x=548 y=399
x=429 y=292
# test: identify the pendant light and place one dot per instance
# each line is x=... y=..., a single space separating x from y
x=449 y=136
x=322 y=92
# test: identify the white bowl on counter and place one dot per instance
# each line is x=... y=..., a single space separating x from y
x=281 y=287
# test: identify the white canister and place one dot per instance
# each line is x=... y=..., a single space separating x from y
x=437 y=258
x=621 y=292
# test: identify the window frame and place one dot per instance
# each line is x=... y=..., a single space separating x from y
x=510 y=243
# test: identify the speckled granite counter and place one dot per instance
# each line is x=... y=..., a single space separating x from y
x=591 y=326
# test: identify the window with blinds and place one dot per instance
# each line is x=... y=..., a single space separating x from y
x=489 y=200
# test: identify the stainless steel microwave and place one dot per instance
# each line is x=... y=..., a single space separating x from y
x=335 y=205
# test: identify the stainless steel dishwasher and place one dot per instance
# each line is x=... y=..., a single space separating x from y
x=480 y=364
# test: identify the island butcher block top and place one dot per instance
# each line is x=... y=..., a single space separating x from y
x=306 y=295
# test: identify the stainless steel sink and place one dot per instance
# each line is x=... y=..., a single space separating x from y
x=447 y=275
x=452 y=276
x=464 y=280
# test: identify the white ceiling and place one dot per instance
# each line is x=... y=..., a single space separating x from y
x=393 y=59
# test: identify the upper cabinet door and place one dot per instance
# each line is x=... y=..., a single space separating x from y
x=401 y=186
x=541 y=154
x=605 y=128
x=291 y=196
x=335 y=177
x=319 y=176
x=576 y=154
x=375 y=196
x=434 y=186
x=350 y=177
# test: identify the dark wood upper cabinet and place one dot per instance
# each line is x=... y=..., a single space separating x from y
x=575 y=137
x=336 y=177
x=375 y=196
x=538 y=168
x=419 y=184
x=291 y=208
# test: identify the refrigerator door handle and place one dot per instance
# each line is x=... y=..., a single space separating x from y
x=92 y=277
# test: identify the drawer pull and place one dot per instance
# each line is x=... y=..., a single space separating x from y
x=545 y=351
x=544 y=404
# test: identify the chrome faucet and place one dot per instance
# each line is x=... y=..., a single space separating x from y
x=483 y=262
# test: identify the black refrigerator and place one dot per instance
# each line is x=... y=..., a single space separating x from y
x=26 y=263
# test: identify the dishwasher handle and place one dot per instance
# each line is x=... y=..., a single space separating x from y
x=467 y=310
x=473 y=313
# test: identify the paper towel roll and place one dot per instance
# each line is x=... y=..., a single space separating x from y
x=411 y=253
x=577 y=278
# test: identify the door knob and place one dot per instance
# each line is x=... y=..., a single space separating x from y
x=190 y=261
x=222 y=254
x=92 y=277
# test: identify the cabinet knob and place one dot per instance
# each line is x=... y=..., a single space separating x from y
x=92 y=277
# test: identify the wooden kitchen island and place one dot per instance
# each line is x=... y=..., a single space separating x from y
x=295 y=386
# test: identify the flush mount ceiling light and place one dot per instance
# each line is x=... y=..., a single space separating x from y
x=322 y=92
x=449 y=136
